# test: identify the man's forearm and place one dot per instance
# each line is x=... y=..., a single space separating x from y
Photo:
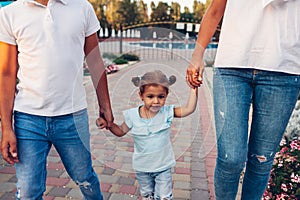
x=7 y=94
x=8 y=75
x=103 y=93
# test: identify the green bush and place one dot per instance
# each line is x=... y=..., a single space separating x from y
x=284 y=183
x=110 y=56
x=123 y=59
x=120 y=61
x=130 y=57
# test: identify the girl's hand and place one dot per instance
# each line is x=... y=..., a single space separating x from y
x=101 y=123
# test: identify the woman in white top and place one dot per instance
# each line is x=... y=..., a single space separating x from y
x=258 y=63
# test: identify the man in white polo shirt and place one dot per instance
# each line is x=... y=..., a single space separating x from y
x=43 y=44
x=258 y=63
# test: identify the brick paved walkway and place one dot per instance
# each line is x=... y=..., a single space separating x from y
x=192 y=137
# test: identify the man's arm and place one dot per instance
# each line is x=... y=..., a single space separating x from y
x=8 y=76
x=208 y=27
x=98 y=75
x=190 y=106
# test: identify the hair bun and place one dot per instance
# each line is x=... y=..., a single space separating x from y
x=172 y=79
x=136 y=81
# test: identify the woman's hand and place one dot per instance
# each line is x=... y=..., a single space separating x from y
x=194 y=75
x=194 y=72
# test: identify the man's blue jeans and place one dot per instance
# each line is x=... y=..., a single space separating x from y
x=273 y=96
x=70 y=136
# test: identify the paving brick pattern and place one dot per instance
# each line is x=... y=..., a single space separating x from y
x=192 y=138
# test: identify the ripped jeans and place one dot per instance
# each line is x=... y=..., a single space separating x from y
x=69 y=134
x=273 y=96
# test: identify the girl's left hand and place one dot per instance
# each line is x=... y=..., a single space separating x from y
x=101 y=123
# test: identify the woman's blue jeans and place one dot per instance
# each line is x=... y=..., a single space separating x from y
x=273 y=96
x=70 y=136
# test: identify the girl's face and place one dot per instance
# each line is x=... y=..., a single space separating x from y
x=154 y=97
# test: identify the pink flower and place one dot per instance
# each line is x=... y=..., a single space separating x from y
x=284 y=187
x=280 y=163
x=282 y=142
x=294 y=145
x=281 y=196
x=295 y=178
x=285 y=171
x=284 y=149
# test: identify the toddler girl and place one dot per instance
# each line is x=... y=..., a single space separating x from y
x=149 y=125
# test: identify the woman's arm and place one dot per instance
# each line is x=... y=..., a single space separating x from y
x=208 y=27
x=190 y=105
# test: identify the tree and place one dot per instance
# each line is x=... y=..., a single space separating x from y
x=207 y=3
x=175 y=11
x=111 y=12
x=187 y=15
x=98 y=6
x=143 y=11
x=160 y=12
x=198 y=10
x=128 y=12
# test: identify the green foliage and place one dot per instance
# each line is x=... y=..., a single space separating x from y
x=110 y=56
x=120 y=61
x=160 y=12
x=123 y=59
x=128 y=12
x=284 y=180
x=199 y=10
x=130 y=57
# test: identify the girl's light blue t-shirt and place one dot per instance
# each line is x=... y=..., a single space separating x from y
x=152 y=145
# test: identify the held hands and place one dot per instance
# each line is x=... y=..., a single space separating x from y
x=107 y=116
x=194 y=76
x=194 y=72
x=101 y=123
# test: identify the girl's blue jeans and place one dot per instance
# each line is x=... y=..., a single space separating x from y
x=155 y=185
x=69 y=134
x=273 y=96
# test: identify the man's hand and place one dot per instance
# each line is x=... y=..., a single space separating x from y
x=107 y=116
x=101 y=123
x=9 y=147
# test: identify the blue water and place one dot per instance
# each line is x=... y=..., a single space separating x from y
x=169 y=45
x=5 y=3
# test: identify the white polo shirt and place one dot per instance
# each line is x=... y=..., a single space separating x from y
x=50 y=42
x=261 y=34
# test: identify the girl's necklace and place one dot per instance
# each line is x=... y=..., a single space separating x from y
x=148 y=115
